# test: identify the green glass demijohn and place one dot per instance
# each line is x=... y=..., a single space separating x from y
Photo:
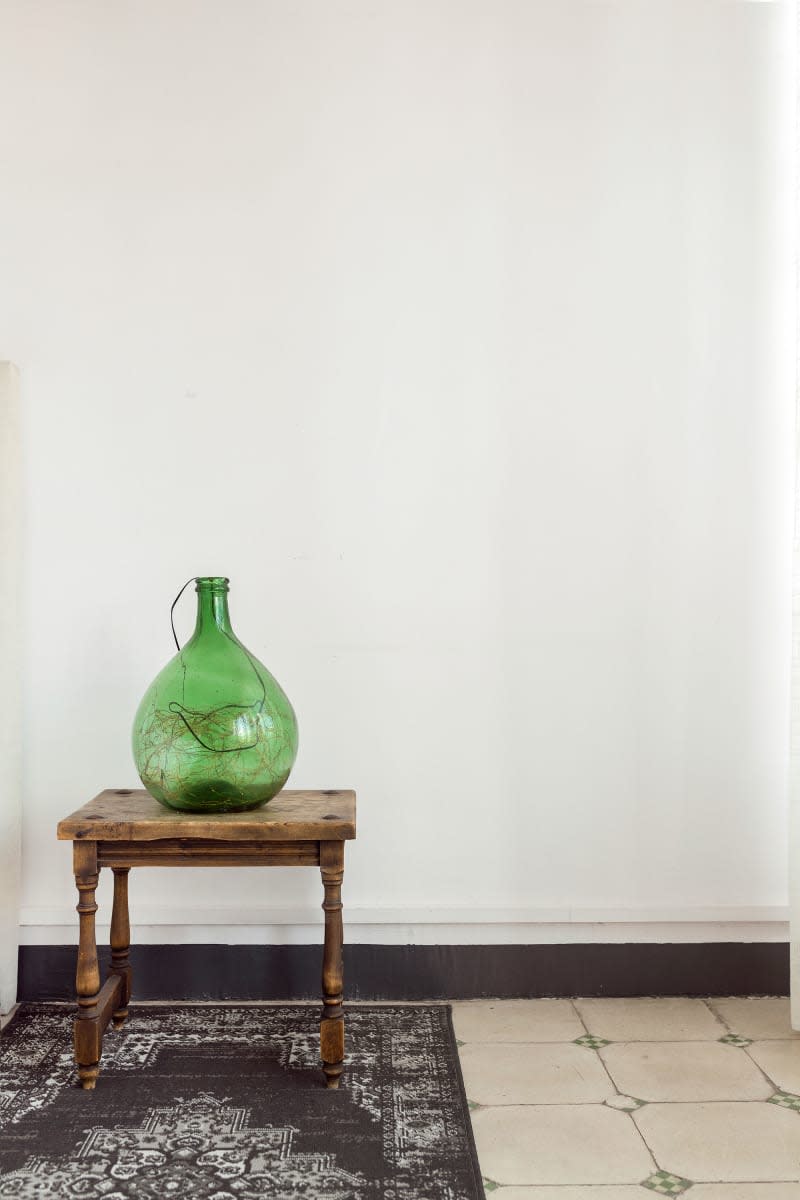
x=214 y=731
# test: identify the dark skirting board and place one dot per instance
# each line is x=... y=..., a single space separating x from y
x=247 y=972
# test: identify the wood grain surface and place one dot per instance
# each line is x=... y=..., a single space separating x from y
x=134 y=816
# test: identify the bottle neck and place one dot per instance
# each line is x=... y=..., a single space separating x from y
x=212 y=612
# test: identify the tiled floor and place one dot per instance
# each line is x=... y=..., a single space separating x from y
x=625 y=1099
x=619 y=1099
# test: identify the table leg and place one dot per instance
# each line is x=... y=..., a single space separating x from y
x=121 y=942
x=331 y=1030
x=88 y=1036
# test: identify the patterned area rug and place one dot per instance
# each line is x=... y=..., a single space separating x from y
x=227 y=1103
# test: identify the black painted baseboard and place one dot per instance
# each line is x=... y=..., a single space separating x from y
x=192 y=972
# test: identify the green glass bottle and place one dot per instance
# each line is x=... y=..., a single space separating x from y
x=214 y=731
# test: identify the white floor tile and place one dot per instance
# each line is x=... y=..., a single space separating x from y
x=723 y=1142
x=516 y=1021
x=589 y=1192
x=780 y=1061
x=685 y=1071
x=756 y=1017
x=555 y=1144
x=739 y=1191
x=535 y=1073
x=650 y=1019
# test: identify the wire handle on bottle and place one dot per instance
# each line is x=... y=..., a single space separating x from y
x=172 y=610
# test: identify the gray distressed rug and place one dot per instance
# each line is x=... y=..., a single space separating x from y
x=227 y=1103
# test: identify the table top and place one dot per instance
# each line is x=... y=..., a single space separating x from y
x=132 y=815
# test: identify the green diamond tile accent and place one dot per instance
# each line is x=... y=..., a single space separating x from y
x=735 y=1039
x=489 y=1185
x=626 y=1103
x=473 y=1105
x=786 y=1100
x=593 y=1043
x=459 y=1043
x=666 y=1184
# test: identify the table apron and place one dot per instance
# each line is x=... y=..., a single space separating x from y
x=197 y=852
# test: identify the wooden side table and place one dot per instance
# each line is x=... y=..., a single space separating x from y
x=124 y=828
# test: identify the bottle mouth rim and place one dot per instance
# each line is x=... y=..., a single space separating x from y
x=217 y=583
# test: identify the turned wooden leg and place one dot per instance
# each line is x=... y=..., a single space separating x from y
x=121 y=942
x=88 y=1035
x=331 y=1030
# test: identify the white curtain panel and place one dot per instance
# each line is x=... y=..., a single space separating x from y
x=10 y=687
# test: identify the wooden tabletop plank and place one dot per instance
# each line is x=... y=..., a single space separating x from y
x=124 y=815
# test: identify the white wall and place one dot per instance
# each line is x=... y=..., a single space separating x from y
x=11 y=688
x=452 y=332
